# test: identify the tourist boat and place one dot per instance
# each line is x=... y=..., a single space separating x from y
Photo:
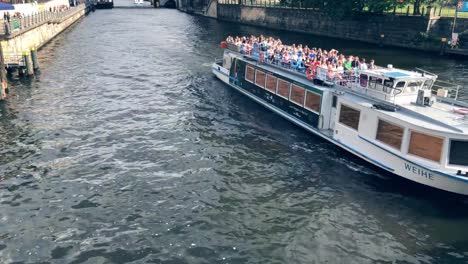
x=386 y=116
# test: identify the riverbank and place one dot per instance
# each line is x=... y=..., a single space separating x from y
x=38 y=35
x=427 y=33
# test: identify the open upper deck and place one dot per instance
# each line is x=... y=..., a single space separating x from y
x=390 y=86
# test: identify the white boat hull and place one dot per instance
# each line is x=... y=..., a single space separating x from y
x=366 y=149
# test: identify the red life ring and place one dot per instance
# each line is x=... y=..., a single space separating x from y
x=310 y=72
x=461 y=111
x=224 y=44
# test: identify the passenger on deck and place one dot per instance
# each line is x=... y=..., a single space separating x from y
x=363 y=65
x=300 y=57
x=372 y=65
x=355 y=63
x=347 y=63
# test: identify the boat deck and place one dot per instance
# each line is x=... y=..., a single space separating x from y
x=440 y=117
x=443 y=113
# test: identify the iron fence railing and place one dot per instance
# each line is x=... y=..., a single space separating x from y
x=408 y=10
x=18 y=24
x=15 y=2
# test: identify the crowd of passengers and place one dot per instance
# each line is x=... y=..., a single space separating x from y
x=301 y=58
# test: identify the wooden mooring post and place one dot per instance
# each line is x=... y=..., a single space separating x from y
x=35 y=63
x=3 y=79
x=28 y=63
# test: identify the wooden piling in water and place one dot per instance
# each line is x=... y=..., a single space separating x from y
x=3 y=79
x=35 y=63
x=28 y=63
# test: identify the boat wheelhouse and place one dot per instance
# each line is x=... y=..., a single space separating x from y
x=386 y=116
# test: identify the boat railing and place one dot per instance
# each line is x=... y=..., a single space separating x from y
x=440 y=87
x=345 y=79
x=445 y=91
x=351 y=79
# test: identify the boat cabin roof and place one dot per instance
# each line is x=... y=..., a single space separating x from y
x=439 y=117
x=387 y=73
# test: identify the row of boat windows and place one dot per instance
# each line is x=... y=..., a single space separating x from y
x=285 y=89
x=387 y=86
x=421 y=144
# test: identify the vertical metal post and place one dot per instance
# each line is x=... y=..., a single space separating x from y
x=454 y=21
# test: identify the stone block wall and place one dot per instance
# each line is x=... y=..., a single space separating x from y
x=404 y=31
x=38 y=36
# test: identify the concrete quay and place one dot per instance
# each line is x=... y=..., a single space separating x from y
x=19 y=44
x=428 y=33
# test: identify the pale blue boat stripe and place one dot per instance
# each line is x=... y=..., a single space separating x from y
x=414 y=163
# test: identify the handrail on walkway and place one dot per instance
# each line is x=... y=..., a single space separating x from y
x=20 y=24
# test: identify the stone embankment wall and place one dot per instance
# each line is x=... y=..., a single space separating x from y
x=405 y=31
x=417 y=32
x=40 y=35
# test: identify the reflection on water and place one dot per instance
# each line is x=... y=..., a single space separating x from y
x=126 y=148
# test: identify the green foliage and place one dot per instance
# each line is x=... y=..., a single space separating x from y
x=345 y=8
x=342 y=8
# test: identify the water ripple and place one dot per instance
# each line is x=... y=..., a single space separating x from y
x=126 y=149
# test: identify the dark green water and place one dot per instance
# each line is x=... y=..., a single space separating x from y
x=126 y=149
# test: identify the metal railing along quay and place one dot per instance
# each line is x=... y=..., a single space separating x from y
x=17 y=25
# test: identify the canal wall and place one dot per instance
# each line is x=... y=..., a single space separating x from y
x=36 y=37
x=417 y=32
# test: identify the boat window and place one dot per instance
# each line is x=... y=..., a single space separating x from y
x=400 y=84
x=412 y=87
x=249 y=74
x=297 y=94
x=283 y=88
x=349 y=116
x=458 y=152
x=375 y=83
x=363 y=80
x=260 y=78
x=388 y=86
x=426 y=146
x=313 y=101
x=399 y=88
x=428 y=84
x=390 y=134
x=271 y=83
x=334 y=100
